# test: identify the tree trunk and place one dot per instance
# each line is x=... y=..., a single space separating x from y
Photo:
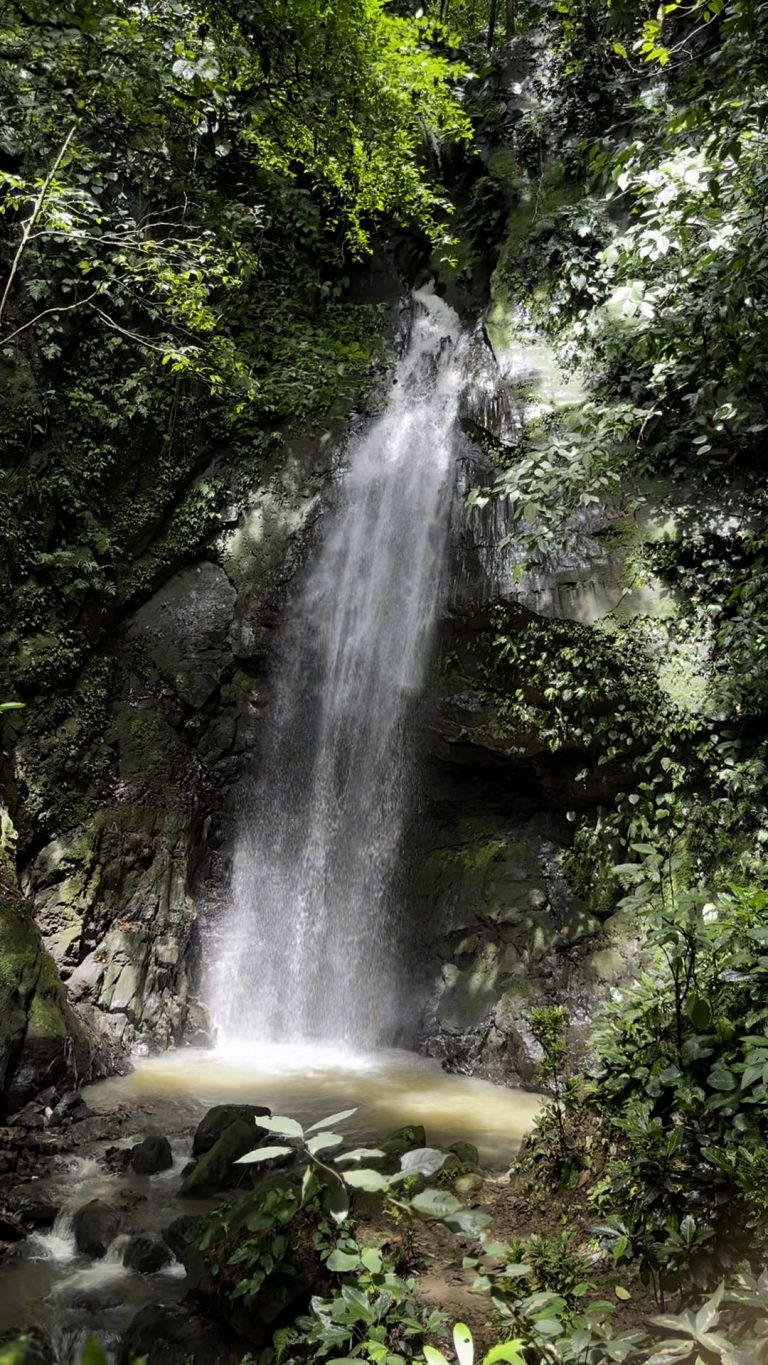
x=492 y=17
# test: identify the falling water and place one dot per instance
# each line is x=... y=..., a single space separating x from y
x=309 y=947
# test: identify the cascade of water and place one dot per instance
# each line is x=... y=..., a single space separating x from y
x=308 y=948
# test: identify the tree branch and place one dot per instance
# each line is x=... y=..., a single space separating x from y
x=30 y=223
x=61 y=308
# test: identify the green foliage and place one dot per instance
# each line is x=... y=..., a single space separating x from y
x=268 y=1237
x=681 y=1094
x=549 y=1026
x=539 y=1288
x=155 y=187
x=183 y=201
x=375 y=1315
x=464 y=1347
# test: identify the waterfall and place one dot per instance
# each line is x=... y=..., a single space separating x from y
x=309 y=947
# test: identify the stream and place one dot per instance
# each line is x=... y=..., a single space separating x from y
x=49 y=1285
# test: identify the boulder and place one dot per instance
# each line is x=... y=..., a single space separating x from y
x=152 y=1155
x=401 y=1141
x=466 y=1152
x=147 y=1252
x=169 y=1334
x=95 y=1225
x=467 y=1186
x=218 y=1119
x=36 y=1213
x=217 y=1170
x=183 y=1233
x=11 y=1228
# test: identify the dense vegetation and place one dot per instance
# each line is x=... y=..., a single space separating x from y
x=187 y=196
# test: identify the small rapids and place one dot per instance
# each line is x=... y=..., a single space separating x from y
x=49 y=1284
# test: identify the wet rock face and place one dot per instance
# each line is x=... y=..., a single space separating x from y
x=118 y=894
x=503 y=932
x=41 y=1040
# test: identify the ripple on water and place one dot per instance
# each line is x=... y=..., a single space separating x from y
x=389 y=1088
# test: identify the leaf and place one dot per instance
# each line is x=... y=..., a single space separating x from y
x=357 y=1299
x=471 y=1222
x=422 y=1161
x=358 y=1153
x=19 y=706
x=329 y=1122
x=433 y=1356
x=622 y=1293
x=709 y=1314
x=435 y=1203
x=506 y=1350
x=721 y=1078
x=366 y=1179
x=372 y=1259
x=284 y=1127
x=463 y=1344
x=263 y=1154
x=343 y=1260
x=548 y=1327
x=323 y=1140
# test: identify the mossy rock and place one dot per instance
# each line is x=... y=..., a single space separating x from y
x=216 y=1170
x=219 y=1119
x=41 y=1040
x=466 y=1153
x=467 y=1186
x=403 y=1140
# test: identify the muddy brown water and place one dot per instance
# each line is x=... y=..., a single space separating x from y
x=49 y=1285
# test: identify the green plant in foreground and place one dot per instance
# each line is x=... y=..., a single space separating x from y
x=464 y=1347
x=340 y=1183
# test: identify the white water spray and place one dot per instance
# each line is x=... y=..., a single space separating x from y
x=309 y=948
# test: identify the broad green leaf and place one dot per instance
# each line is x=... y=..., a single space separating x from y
x=548 y=1327
x=358 y=1154
x=262 y=1154
x=332 y=1118
x=372 y=1259
x=424 y=1161
x=435 y=1203
x=471 y=1222
x=321 y=1141
x=506 y=1350
x=433 y=1356
x=708 y=1315
x=366 y=1179
x=343 y=1260
x=357 y=1300
x=284 y=1127
x=463 y=1344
